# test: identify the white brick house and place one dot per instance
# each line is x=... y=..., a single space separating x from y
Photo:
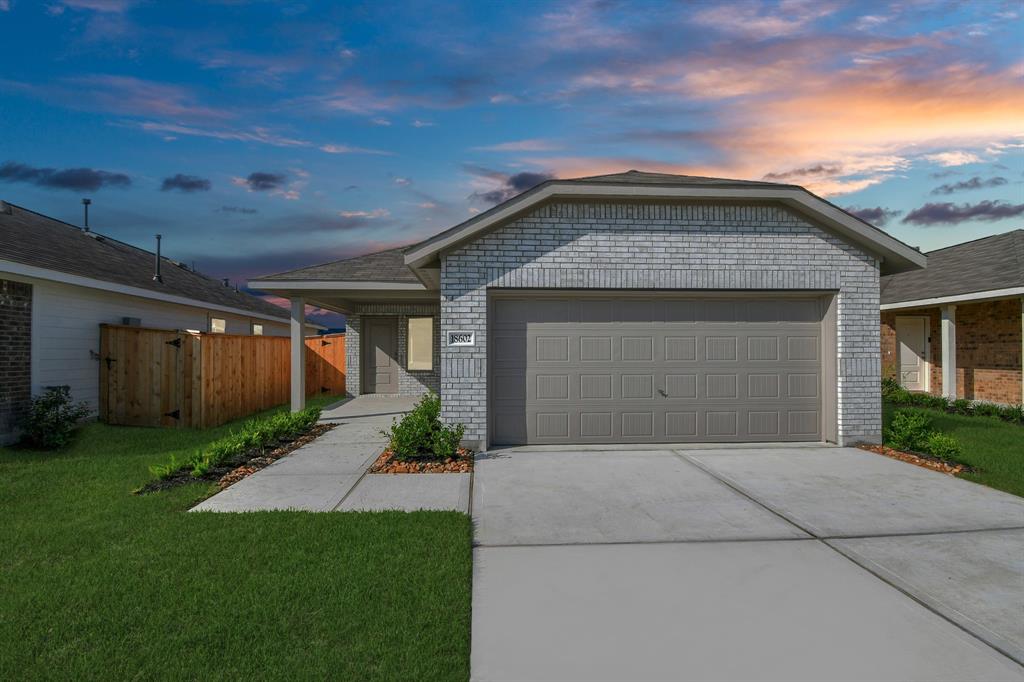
x=634 y=307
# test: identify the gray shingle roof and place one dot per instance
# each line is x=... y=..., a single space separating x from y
x=33 y=239
x=635 y=177
x=986 y=264
x=382 y=266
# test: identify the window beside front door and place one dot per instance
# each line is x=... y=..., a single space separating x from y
x=421 y=343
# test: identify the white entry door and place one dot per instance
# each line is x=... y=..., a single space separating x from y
x=912 y=340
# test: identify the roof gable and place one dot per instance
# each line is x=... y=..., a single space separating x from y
x=894 y=255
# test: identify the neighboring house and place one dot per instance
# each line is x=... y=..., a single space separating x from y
x=963 y=318
x=627 y=308
x=58 y=283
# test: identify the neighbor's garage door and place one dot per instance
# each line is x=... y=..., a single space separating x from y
x=636 y=369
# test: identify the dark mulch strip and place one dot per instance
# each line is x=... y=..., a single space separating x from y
x=460 y=464
x=239 y=466
x=921 y=459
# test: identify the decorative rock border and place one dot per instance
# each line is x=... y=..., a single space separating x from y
x=462 y=463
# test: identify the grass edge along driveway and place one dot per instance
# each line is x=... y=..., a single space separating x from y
x=97 y=583
x=994 y=447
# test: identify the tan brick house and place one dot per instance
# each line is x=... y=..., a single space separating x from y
x=961 y=317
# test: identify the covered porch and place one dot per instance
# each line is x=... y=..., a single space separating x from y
x=392 y=322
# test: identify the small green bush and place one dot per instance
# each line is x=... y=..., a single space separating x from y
x=962 y=406
x=943 y=446
x=988 y=410
x=908 y=431
x=421 y=434
x=1013 y=413
x=52 y=419
x=892 y=391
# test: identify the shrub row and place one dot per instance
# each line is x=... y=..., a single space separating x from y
x=422 y=435
x=893 y=393
x=911 y=431
x=255 y=434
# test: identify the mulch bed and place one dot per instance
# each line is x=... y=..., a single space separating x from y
x=460 y=464
x=920 y=459
x=239 y=466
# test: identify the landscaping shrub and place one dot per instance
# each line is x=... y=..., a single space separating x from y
x=255 y=433
x=962 y=406
x=422 y=435
x=52 y=419
x=943 y=446
x=908 y=431
x=895 y=394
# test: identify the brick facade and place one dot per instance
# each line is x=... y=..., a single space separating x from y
x=988 y=349
x=662 y=245
x=410 y=382
x=16 y=355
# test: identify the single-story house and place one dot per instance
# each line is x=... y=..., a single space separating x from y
x=58 y=283
x=955 y=329
x=627 y=308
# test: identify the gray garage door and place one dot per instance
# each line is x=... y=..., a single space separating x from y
x=636 y=369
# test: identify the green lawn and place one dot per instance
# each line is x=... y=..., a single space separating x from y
x=96 y=583
x=994 y=447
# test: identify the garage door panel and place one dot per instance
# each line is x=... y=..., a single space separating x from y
x=655 y=370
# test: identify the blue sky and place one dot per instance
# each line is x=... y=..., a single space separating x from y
x=263 y=136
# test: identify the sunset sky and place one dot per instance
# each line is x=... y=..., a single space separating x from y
x=263 y=136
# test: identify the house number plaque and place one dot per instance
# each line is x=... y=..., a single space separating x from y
x=461 y=339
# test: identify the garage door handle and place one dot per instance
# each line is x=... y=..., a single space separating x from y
x=662 y=392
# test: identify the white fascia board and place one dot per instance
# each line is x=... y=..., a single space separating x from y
x=874 y=239
x=77 y=280
x=990 y=295
x=323 y=285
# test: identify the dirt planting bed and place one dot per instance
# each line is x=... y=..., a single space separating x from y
x=239 y=466
x=920 y=459
x=387 y=464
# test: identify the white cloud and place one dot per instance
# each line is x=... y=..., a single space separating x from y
x=348 y=149
x=380 y=121
x=370 y=215
x=422 y=124
x=954 y=158
x=535 y=145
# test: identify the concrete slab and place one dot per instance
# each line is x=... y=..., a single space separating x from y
x=369 y=406
x=357 y=431
x=609 y=496
x=410 y=492
x=792 y=610
x=974 y=579
x=260 y=492
x=850 y=492
x=324 y=458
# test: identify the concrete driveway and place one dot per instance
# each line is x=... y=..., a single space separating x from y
x=767 y=563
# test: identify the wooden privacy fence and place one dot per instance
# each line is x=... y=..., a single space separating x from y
x=157 y=377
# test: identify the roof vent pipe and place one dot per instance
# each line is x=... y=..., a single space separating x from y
x=157 y=277
x=226 y=281
x=85 y=207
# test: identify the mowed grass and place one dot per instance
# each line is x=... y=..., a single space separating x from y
x=994 y=447
x=97 y=583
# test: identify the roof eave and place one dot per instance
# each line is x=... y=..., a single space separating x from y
x=894 y=255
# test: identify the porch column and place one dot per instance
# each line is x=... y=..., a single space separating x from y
x=298 y=328
x=949 y=351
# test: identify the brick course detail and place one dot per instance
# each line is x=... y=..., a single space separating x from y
x=668 y=246
x=16 y=354
x=988 y=349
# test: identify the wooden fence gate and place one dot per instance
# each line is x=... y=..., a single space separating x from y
x=156 y=377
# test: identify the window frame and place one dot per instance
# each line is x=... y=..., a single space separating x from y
x=254 y=327
x=224 y=325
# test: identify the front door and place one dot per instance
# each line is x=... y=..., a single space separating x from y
x=912 y=340
x=380 y=355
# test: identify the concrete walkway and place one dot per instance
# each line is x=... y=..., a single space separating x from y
x=329 y=474
x=769 y=563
